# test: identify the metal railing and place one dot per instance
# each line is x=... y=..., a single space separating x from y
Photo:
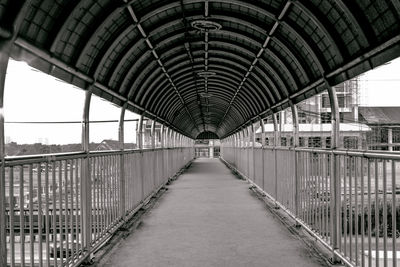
x=60 y=208
x=346 y=199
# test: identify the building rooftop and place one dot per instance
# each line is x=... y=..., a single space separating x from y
x=379 y=115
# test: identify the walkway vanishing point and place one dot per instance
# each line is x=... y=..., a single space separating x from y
x=208 y=217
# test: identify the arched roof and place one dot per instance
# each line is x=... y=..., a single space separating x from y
x=207 y=135
x=148 y=54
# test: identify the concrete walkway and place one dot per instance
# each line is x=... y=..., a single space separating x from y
x=209 y=218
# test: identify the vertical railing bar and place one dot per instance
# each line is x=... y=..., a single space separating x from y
x=66 y=221
x=11 y=215
x=376 y=213
x=99 y=211
x=112 y=189
x=356 y=173
x=54 y=215
x=31 y=223
x=103 y=198
x=22 y=214
x=320 y=194
x=109 y=189
x=96 y=195
x=362 y=212
x=384 y=215
x=369 y=215
x=47 y=218
x=77 y=211
x=350 y=210
x=340 y=202
x=115 y=182
x=79 y=218
x=326 y=196
x=303 y=186
x=71 y=178
x=344 y=206
x=60 y=216
x=394 y=215
x=40 y=229
x=307 y=186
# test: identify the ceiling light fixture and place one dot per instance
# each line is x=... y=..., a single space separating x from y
x=206 y=25
x=206 y=74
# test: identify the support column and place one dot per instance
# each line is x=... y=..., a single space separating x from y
x=86 y=205
x=139 y=133
x=295 y=121
x=262 y=152
x=390 y=139
x=276 y=156
x=167 y=140
x=153 y=154
x=152 y=134
x=247 y=141
x=253 y=141
x=4 y=56
x=335 y=170
x=162 y=129
x=122 y=163
x=139 y=142
x=6 y=43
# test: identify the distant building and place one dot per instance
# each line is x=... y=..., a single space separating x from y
x=314 y=116
x=385 y=127
x=109 y=144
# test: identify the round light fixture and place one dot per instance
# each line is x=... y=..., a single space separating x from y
x=206 y=25
x=205 y=95
x=206 y=74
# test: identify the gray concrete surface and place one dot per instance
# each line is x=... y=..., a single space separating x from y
x=209 y=218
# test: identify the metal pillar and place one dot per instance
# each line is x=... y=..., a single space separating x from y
x=295 y=120
x=6 y=43
x=253 y=141
x=262 y=152
x=86 y=205
x=390 y=139
x=162 y=129
x=122 y=163
x=139 y=133
x=4 y=56
x=335 y=171
x=152 y=134
x=276 y=156
x=166 y=138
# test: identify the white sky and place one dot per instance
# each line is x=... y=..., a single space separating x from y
x=381 y=86
x=34 y=96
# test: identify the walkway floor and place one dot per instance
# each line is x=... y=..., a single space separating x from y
x=209 y=218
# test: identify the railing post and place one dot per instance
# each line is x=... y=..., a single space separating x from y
x=139 y=138
x=86 y=205
x=4 y=56
x=152 y=134
x=139 y=133
x=248 y=150
x=262 y=151
x=5 y=50
x=162 y=129
x=122 y=162
x=295 y=119
x=275 y=157
x=253 y=137
x=335 y=203
x=153 y=153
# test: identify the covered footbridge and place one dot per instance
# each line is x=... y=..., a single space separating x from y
x=209 y=68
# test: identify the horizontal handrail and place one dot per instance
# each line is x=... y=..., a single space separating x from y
x=40 y=158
